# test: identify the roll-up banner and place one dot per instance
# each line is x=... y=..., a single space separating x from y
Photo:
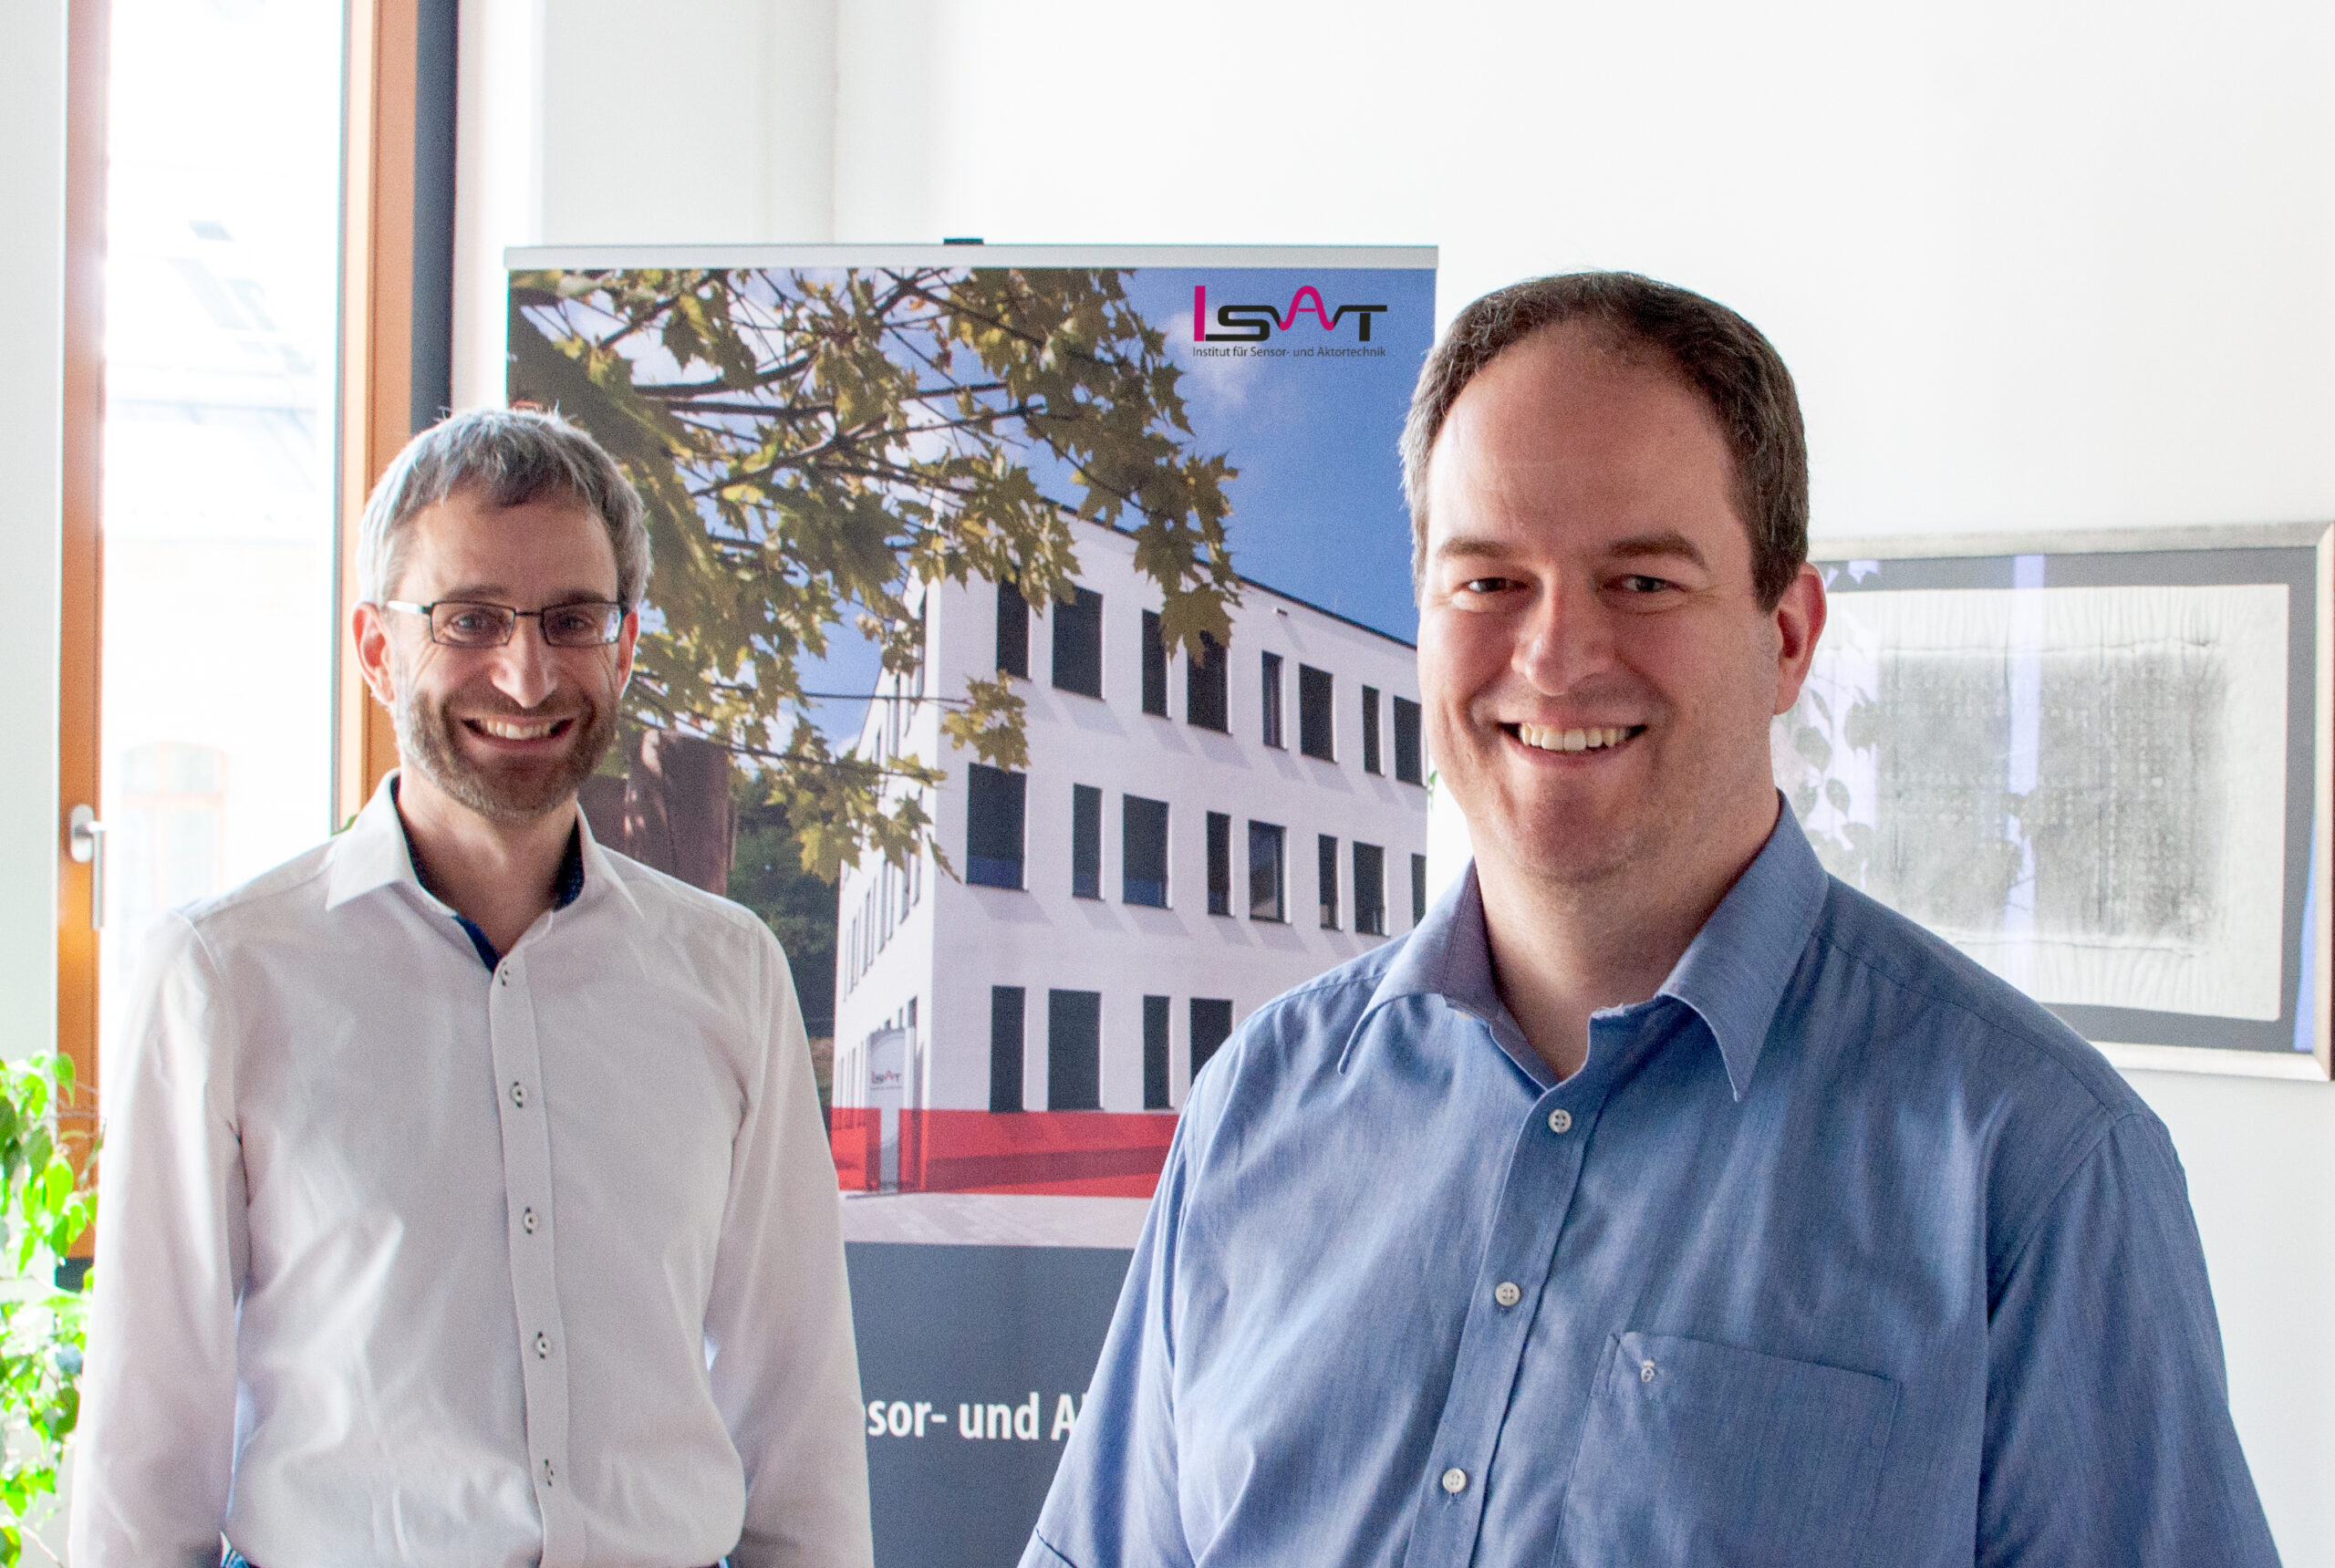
x=1030 y=645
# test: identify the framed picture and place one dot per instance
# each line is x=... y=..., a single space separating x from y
x=2099 y=765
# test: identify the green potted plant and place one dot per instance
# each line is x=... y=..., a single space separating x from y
x=45 y=1205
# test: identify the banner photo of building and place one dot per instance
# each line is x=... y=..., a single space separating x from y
x=1030 y=644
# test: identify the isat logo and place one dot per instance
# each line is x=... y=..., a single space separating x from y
x=1258 y=323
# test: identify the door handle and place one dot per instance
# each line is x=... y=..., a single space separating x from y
x=86 y=838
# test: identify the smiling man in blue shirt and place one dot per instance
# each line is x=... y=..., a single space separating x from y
x=1659 y=1199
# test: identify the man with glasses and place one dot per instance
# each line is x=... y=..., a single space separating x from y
x=465 y=1195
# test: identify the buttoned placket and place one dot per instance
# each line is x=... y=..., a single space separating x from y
x=1519 y=1254
x=522 y=1100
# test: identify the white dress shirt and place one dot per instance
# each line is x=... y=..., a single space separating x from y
x=402 y=1260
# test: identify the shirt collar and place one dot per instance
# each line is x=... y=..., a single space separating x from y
x=373 y=853
x=1732 y=974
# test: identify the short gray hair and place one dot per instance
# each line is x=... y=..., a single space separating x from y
x=508 y=457
x=1725 y=359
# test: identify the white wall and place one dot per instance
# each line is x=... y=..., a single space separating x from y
x=32 y=193
x=2056 y=265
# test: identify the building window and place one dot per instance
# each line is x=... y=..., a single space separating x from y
x=1073 y=1050
x=1085 y=842
x=1204 y=702
x=1211 y=1026
x=1143 y=852
x=1370 y=890
x=1370 y=730
x=1406 y=741
x=1155 y=1053
x=1004 y=1047
x=1155 y=666
x=1266 y=882
x=1313 y=726
x=1325 y=875
x=1079 y=643
x=1418 y=889
x=1219 y=864
x=1012 y=631
x=1271 y=665
x=994 y=819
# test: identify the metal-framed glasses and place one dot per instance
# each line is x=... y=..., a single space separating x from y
x=467 y=623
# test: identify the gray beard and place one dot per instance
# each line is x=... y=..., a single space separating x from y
x=428 y=744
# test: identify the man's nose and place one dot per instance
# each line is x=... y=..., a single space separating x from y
x=1567 y=639
x=524 y=667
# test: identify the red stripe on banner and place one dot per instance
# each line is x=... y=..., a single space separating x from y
x=855 y=1137
x=1088 y=1154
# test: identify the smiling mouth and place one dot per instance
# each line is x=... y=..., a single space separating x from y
x=518 y=728
x=1596 y=738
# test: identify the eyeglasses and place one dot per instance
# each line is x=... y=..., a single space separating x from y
x=462 y=623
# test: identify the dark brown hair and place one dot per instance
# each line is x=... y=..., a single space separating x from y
x=1713 y=350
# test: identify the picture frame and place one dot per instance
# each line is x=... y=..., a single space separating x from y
x=2096 y=762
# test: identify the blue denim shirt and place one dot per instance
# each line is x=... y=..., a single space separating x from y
x=1838 y=1251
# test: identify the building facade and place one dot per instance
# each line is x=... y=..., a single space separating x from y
x=1190 y=839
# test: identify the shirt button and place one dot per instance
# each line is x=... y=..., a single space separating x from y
x=551 y=1476
x=1506 y=1293
x=542 y=1346
x=518 y=1093
x=503 y=977
x=1560 y=1120
x=527 y=1220
x=1646 y=1371
x=1455 y=1481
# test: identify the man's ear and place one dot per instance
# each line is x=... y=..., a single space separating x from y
x=627 y=636
x=369 y=625
x=1799 y=621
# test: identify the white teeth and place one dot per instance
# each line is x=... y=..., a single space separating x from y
x=504 y=730
x=1548 y=738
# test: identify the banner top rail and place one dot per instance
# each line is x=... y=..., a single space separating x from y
x=588 y=258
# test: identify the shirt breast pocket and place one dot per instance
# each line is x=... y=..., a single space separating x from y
x=1701 y=1454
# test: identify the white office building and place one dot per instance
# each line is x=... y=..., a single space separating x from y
x=1190 y=839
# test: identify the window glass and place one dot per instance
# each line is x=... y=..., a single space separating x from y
x=1079 y=643
x=1266 y=878
x=1143 y=852
x=222 y=227
x=1211 y=1026
x=1073 y=1051
x=1005 y=1002
x=1370 y=730
x=1370 y=890
x=1085 y=842
x=1155 y=666
x=1406 y=741
x=1012 y=631
x=1325 y=874
x=1155 y=1053
x=1418 y=889
x=1219 y=863
x=1204 y=681
x=1270 y=666
x=1315 y=732
x=993 y=826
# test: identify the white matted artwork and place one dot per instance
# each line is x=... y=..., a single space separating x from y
x=2098 y=772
